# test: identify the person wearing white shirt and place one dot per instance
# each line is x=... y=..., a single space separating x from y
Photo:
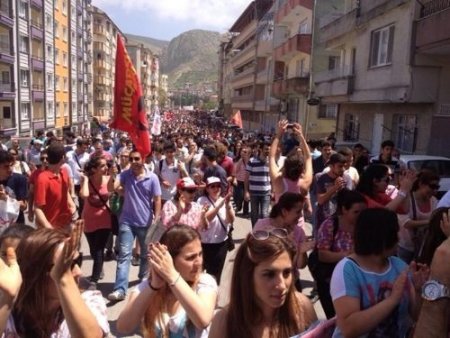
x=76 y=159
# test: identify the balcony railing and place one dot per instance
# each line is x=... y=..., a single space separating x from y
x=297 y=43
x=333 y=74
x=36 y=23
x=5 y=47
x=39 y=87
x=434 y=6
x=286 y=7
x=36 y=3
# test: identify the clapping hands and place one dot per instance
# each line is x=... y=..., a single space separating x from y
x=10 y=276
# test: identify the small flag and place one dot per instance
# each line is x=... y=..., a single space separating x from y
x=129 y=113
x=156 y=127
x=237 y=119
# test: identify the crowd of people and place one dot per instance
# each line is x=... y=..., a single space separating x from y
x=378 y=251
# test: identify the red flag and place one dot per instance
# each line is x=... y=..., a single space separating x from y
x=129 y=113
x=237 y=119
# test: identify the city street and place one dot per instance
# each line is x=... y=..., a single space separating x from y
x=242 y=227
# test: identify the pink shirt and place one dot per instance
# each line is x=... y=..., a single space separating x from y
x=95 y=215
x=191 y=216
x=240 y=170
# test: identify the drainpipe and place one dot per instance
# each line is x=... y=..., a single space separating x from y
x=255 y=71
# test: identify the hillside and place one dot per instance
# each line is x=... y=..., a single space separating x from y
x=191 y=57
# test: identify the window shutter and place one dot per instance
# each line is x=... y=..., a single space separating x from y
x=374 y=48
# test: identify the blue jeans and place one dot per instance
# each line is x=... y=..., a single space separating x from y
x=259 y=207
x=126 y=236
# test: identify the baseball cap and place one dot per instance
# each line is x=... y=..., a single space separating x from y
x=186 y=183
x=212 y=179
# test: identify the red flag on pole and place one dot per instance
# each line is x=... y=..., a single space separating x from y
x=237 y=119
x=129 y=113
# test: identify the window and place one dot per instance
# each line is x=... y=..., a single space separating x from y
x=5 y=77
x=64 y=7
x=50 y=81
x=56 y=30
x=64 y=55
x=23 y=9
x=6 y=112
x=66 y=111
x=65 y=84
x=48 y=22
x=49 y=50
x=24 y=78
x=56 y=55
x=57 y=82
x=333 y=62
x=381 y=45
x=23 y=44
x=58 y=106
x=25 y=110
x=50 y=108
x=328 y=111
x=303 y=28
x=405 y=132
x=351 y=127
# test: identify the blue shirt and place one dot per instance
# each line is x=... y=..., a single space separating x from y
x=137 y=207
x=349 y=279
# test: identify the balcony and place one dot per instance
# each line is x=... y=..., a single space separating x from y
x=80 y=53
x=433 y=29
x=37 y=31
x=36 y=3
x=6 y=56
x=290 y=9
x=5 y=18
x=265 y=47
x=7 y=91
x=290 y=48
x=37 y=62
x=336 y=82
x=337 y=24
x=79 y=8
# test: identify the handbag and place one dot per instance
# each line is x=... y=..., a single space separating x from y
x=114 y=218
x=229 y=240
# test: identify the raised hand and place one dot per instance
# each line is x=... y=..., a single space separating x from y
x=420 y=273
x=399 y=287
x=445 y=223
x=282 y=125
x=66 y=252
x=10 y=276
x=161 y=262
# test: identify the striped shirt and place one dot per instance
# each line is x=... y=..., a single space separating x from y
x=259 y=178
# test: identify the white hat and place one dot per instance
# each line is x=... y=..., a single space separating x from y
x=212 y=179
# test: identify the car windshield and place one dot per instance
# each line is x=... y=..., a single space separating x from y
x=441 y=167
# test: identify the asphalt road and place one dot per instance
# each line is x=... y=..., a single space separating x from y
x=242 y=228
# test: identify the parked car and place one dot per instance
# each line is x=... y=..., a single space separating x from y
x=440 y=165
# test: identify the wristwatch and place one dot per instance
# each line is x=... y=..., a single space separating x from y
x=434 y=290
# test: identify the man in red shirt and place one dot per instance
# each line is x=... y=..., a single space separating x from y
x=53 y=203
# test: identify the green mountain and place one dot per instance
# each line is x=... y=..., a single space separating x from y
x=190 y=58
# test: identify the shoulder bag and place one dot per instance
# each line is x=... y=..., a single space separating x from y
x=114 y=219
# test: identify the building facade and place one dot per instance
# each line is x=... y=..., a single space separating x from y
x=385 y=72
x=104 y=54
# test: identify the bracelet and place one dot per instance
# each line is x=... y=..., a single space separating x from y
x=176 y=280
x=151 y=287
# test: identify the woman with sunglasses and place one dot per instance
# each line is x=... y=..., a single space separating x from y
x=40 y=294
x=97 y=183
x=19 y=167
x=263 y=300
x=374 y=182
x=414 y=223
x=178 y=299
x=182 y=209
x=219 y=218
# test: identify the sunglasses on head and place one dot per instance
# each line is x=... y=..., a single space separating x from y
x=262 y=235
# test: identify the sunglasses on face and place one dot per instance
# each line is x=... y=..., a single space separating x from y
x=262 y=235
x=134 y=159
x=434 y=186
x=13 y=154
x=44 y=158
x=190 y=191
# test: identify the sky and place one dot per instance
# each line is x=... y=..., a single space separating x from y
x=166 y=19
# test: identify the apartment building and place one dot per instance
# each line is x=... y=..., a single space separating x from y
x=384 y=71
x=104 y=54
x=154 y=82
x=238 y=60
x=147 y=68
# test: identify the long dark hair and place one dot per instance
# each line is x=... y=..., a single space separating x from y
x=35 y=255
x=373 y=172
x=293 y=167
x=244 y=312
x=93 y=163
x=434 y=236
x=287 y=201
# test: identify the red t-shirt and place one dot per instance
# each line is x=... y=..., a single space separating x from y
x=51 y=195
x=228 y=165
